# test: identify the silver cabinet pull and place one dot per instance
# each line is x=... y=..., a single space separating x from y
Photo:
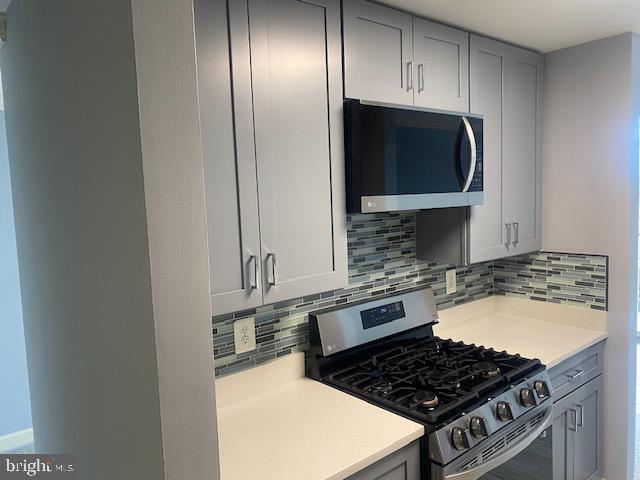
x=579 y=416
x=409 y=76
x=516 y=233
x=574 y=425
x=273 y=281
x=472 y=153
x=420 y=77
x=573 y=376
x=508 y=226
x=255 y=285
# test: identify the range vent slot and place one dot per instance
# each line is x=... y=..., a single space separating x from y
x=536 y=420
x=516 y=433
x=470 y=464
x=493 y=449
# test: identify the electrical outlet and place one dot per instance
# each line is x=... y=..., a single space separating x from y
x=244 y=334
x=452 y=286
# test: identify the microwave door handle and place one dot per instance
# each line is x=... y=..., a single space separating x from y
x=472 y=160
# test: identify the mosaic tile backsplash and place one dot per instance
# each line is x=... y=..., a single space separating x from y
x=382 y=259
x=566 y=278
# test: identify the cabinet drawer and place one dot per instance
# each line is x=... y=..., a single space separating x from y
x=401 y=465
x=577 y=370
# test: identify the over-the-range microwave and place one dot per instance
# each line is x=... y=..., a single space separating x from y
x=410 y=158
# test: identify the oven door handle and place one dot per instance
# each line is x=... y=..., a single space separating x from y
x=486 y=467
x=472 y=154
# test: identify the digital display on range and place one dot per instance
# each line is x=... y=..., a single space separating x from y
x=382 y=314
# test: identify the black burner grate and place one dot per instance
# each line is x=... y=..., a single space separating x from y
x=433 y=379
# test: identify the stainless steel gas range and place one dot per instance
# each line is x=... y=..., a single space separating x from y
x=487 y=414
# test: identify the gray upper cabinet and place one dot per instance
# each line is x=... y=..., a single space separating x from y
x=275 y=206
x=393 y=57
x=506 y=87
x=441 y=56
x=229 y=162
x=297 y=89
x=378 y=53
x=488 y=60
x=524 y=169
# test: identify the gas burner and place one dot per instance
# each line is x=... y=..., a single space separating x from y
x=488 y=368
x=382 y=388
x=426 y=399
x=432 y=379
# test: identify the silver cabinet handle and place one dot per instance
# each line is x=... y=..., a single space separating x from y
x=255 y=285
x=409 y=76
x=516 y=234
x=508 y=226
x=273 y=281
x=579 y=416
x=472 y=153
x=574 y=425
x=573 y=376
x=420 y=77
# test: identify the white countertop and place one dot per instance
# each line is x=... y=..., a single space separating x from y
x=550 y=332
x=300 y=429
x=275 y=424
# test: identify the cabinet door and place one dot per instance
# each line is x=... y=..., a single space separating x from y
x=378 y=53
x=587 y=451
x=441 y=57
x=401 y=465
x=229 y=160
x=523 y=128
x=297 y=91
x=487 y=232
x=563 y=425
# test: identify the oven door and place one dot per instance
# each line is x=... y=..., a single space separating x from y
x=522 y=451
x=408 y=159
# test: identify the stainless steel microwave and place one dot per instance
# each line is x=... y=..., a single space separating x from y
x=408 y=158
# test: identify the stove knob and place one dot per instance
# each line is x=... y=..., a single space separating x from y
x=478 y=428
x=541 y=389
x=459 y=439
x=526 y=397
x=503 y=411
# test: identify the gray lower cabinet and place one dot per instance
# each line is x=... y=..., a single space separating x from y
x=391 y=56
x=578 y=415
x=401 y=465
x=506 y=87
x=270 y=86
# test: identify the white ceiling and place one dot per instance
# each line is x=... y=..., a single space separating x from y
x=543 y=25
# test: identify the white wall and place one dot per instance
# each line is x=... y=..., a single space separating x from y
x=109 y=206
x=590 y=202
